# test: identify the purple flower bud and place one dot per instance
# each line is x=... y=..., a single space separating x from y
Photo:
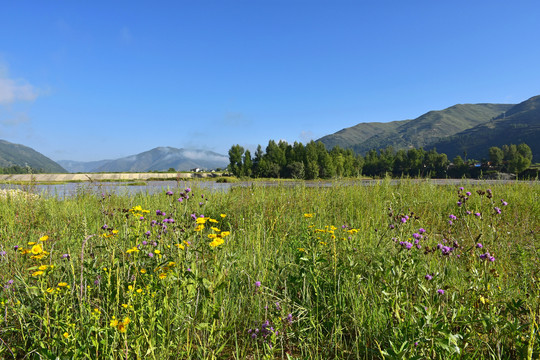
x=169 y=193
x=188 y=190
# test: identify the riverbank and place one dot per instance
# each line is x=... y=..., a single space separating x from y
x=92 y=177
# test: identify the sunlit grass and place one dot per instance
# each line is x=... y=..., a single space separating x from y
x=347 y=271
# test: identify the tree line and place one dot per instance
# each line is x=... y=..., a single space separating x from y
x=17 y=169
x=315 y=161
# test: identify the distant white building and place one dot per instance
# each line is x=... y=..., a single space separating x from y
x=195 y=170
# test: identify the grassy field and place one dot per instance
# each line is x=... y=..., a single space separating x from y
x=406 y=271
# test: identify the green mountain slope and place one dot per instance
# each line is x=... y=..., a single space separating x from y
x=419 y=132
x=16 y=154
x=519 y=124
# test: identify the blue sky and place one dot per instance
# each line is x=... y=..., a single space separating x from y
x=92 y=80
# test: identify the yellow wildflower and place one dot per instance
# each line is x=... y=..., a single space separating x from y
x=225 y=233
x=114 y=322
x=66 y=335
x=43 y=267
x=308 y=215
x=215 y=229
x=199 y=228
x=44 y=238
x=31 y=243
x=180 y=246
x=213 y=220
x=212 y=236
x=200 y=220
x=217 y=242
x=37 y=273
x=222 y=215
x=162 y=275
x=37 y=249
x=143 y=271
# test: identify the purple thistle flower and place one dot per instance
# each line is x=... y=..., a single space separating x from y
x=16 y=247
x=428 y=277
x=200 y=204
x=169 y=193
x=459 y=203
x=497 y=210
x=150 y=254
x=450 y=222
x=188 y=190
x=504 y=203
x=461 y=188
x=180 y=199
x=257 y=284
x=65 y=256
x=391 y=226
x=422 y=230
x=477 y=214
x=194 y=217
x=440 y=291
x=104 y=227
x=403 y=220
x=452 y=217
x=468 y=193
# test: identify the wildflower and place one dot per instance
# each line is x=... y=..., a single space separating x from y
x=421 y=230
x=391 y=226
x=65 y=256
x=44 y=238
x=169 y=193
x=66 y=335
x=257 y=284
x=497 y=210
x=150 y=255
x=162 y=275
x=308 y=215
x=504 y=203
x=440 y=291
x=37 y=249
x=180 y=199
x=452 y=217
x=479 y=245
x=200 y=220
x=37 y=273
x=62 y=284
x=43 y=267
x=104 y=227
x=222 y=215
x=428 y=277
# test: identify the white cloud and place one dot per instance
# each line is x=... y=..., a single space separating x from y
x=306 y=136
x=14 y=90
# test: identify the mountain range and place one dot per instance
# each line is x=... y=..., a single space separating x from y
x=463 y=129
x=19 y=155
x=157 y=159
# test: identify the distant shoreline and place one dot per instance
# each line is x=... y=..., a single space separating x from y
x=91 y=177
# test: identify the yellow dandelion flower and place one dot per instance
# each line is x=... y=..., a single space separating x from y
x=44 y=238
x=66 y=335
x=223 y=215
x=199 y=228
x=157 y=252
x=213 y=220
x=212 y=236
x=122 y=328
x=308 y=215
x=217 y=242
x=37 y=273
x=37 y=249
x=301 y=249
x=162 y=275
x=31 y=243
x=127 y=320
x=225 y=233
x=125 y=306
x=143 y=271
x=180 y=246
x=50 y=290
x=114 y=322
x=43 y=267
x=215 y=229
x=37 y=257
x=139 y=291
x=201 y=220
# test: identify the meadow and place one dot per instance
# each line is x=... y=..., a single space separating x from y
x=411 y=270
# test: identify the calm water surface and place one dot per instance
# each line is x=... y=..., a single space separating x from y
x=152 y=187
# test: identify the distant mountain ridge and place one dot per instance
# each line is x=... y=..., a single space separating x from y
x=16 y=154
x=519 y=124
x=460 y=129
x=157 y=159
